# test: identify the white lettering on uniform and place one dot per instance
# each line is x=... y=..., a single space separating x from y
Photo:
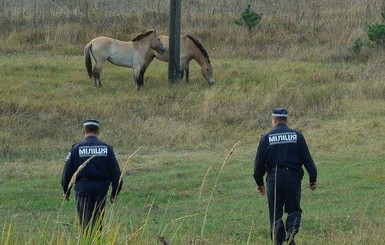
x=87 y=151
x=282 y=138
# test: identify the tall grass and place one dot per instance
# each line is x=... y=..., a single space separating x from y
x=215 y=185
x=298 y=58
x=110 y=234
x=328 y=218
x=65 y=27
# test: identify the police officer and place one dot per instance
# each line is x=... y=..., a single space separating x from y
x=92 y=182
x=281 y=153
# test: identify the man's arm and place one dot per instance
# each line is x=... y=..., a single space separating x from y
x=67 y=175
x=308 y=162
x=259 y=164
x=115 y=173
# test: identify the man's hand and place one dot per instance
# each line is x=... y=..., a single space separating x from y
x=66 y=197
x=313 y=185
x=261 y=190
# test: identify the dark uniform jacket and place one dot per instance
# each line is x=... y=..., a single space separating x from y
x=103 y=168
x=283 y=147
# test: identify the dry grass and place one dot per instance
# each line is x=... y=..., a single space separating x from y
x=65 y=27
x=214 y=187
x=125 y=168
x=298 y=57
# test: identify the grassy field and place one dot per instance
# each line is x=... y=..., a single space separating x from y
x=179 y=186
x=186 y=132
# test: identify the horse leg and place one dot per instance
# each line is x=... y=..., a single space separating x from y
x=96 y=74
x=95 y=79
x=138 y=77
x=141 y=75
x=185 y=69
x=187 y=74
x=181 y=74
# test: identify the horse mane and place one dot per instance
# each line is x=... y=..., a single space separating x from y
x=142 y=35
x=200 y=46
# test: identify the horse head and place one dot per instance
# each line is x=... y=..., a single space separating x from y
x=207 y=72
x=156 y=44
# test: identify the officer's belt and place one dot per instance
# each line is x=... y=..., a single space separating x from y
x=85 y=178
x=280 y=167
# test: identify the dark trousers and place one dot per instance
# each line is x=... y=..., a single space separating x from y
x=284 y=194
x=90 y=204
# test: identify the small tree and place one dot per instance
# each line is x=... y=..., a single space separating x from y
x=249 y=18
x=357 y=45
x=376 y=34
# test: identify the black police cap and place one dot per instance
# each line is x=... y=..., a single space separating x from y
x=91 y=122
x=279 y=112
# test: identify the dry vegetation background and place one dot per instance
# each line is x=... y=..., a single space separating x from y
x=326 y=28
x=299 y=56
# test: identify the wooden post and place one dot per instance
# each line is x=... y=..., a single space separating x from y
x=174 y=45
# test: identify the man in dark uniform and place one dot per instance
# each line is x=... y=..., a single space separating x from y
x=281 y=153
x=92 y=181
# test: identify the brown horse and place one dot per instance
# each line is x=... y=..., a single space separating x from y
x=136 y=54
x=190 y=48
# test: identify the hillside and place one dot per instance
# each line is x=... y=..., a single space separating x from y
x=334 y=96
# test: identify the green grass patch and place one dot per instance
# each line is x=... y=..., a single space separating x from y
x=175 y=186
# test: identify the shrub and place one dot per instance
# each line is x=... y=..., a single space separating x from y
x=357 y=45
x=249 y=18
x=376 y=34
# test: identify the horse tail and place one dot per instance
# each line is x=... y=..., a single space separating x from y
x=87 y=54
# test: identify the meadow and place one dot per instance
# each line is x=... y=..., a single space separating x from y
x=179 y=186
